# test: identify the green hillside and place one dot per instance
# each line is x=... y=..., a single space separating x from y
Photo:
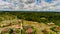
x=32 y=23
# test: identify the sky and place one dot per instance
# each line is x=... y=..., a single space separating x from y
x=30 y=5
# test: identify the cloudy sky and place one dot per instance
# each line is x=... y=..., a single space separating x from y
x=30 y=5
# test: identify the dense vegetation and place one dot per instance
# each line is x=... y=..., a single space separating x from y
x=42 y=22
x=45 y=17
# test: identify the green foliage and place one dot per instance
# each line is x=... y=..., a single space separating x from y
x=53 y=29
x=36 y=16
x=11 y=31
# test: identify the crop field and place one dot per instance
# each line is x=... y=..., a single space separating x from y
x=29 y=23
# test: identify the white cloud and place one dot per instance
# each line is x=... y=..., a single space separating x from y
x=48 y=7
x=44 y=6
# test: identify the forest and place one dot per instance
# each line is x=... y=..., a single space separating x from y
x=37 y=16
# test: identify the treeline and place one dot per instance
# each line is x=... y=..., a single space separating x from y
x=45 y=17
